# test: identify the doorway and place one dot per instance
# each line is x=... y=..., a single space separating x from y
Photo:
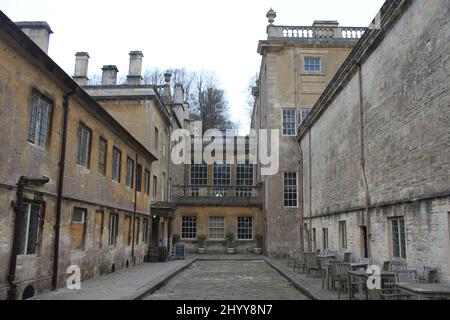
x=363 y=241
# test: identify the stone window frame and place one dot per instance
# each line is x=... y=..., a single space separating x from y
x=343 y=238
x=199 y=174
x=129 y=179
x=139 y=172
x=288 y=189
x=188 y=227
x=155 y=186
x=244 y=229
x=245 y=174
x=325 y=239
x=102 y=163
x=83 y=221
x=312 y=65
x=302 y=115
x=116 y=164
x=147 y=181
x=288 y=119
x=35 y=123
x=216 y=224
x=402 y=240
x=113 y=228
x=84 y=145
x=24 y=249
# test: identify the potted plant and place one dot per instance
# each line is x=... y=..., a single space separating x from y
x=230 y=243
x=259 y=243
x=201 y=238
x=175 y=239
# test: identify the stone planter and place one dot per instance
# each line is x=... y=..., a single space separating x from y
x=231 y=250
x=201 y=250
x=258 y=251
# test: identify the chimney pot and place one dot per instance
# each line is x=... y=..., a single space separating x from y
x=135 y=68
x=81 y=68
x=109 y=75
x=38 y=31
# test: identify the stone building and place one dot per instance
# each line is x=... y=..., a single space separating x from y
x=76 y=185
x=219 y=198
x=375 y=148
x=297 y=64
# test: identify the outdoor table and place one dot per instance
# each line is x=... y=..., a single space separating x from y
x=356 y=266
x=361 y=276
x=425 y=291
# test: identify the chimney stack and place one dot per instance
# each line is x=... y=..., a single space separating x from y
x=81 y=68
x=109 y=75
x=38 y=31
x=179 y=93
x=134 y=73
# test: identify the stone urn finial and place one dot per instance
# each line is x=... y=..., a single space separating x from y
x=271 y=15
x=167 y=76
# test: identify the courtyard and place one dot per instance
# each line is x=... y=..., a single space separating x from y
x=228 y=280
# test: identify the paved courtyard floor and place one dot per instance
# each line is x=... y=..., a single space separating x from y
x=228 y=280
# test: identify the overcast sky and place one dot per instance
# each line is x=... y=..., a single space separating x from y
x=221 y=36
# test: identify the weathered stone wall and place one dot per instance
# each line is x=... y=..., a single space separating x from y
x=405 y=86
x=86 y=188
x=284 y=84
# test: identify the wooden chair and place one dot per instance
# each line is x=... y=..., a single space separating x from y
x=406 y=276
x=290 y=257
x=299 y=261
x=311 y=263
x=347 y=256
x=342 y=270
x=333 y=277
x=429 y=275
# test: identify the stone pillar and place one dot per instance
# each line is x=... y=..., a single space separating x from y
x=38 y=31
x=109 y=75
x=81 y=68
x=135 y=68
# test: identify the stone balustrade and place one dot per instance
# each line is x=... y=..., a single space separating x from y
x=313 y=32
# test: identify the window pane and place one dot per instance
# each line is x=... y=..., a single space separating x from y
x=116 y=164
x=130 y=172
x=199 y=174
x=138 y=177
x=290 y=189
x=189 y=228
x=102 y=152
x=216 y=228
x=245 y=228
x=33 y=116
x=395 y=239
x=289 y=122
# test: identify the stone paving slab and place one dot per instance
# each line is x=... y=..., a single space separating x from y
x=228 y=279
x=125 y=284
x=312 y=287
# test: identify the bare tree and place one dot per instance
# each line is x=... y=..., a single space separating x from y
x=207 y=100
x=251 y=99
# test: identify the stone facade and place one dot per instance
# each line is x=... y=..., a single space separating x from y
x=387 y=123
x=285 y=82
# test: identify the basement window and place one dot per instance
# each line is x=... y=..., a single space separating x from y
x=113 y=228
x=30 y=228
x=78 y=228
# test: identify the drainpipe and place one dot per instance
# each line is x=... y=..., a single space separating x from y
x=62 y=164
x=363 y=161
x=310 y=191
x=18 y=208
x=300 y=173
x=133 y=258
